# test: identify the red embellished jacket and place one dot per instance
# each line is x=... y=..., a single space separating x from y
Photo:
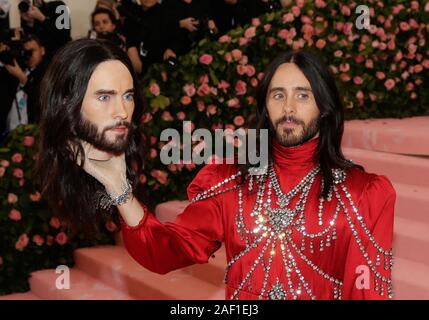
x=338 y=271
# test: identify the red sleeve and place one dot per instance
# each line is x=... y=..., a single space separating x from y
x=376 y=205
x=192 y=238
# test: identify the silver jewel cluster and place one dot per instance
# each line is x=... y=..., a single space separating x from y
x=274 y=222
x=105 y=201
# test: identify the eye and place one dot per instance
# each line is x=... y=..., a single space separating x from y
x=278 y=96
x=303 y=96
x=129 y=97
x=103 y=98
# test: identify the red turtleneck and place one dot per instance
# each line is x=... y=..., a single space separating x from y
x=199 y=231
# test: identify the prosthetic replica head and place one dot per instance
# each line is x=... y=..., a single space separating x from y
x=89 y=93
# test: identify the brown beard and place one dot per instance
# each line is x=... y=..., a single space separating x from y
x=286 y=137
x=89 y=132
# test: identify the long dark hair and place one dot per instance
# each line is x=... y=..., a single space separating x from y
x=67 y=187
x=331 y=122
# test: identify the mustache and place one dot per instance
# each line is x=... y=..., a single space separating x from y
x=291 y=119
x=118 y=124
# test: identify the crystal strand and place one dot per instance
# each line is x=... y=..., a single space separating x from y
x=311 y=246
x=386 y=263
x=377 y=260
x=335 y=292
x=320 y=213
x=382 y=289
x=334 y=234
x=375 y=283
x=328 y=240
x=303 y=244
x=321 y=245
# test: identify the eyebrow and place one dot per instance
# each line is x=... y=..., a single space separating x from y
x=111 y=92
x=293 y=88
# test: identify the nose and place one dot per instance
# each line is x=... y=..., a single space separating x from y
x=289 y=105
x=119 y=110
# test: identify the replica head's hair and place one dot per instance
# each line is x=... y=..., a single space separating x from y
x=331 y=121
x=67 y=187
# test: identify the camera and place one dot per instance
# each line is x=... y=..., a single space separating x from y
x=203 y=31
x=13 y=49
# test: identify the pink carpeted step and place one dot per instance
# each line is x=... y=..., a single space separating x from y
x=114 y=266
x=403 y=136
x=20 y=296
x=82 y=287
x=412 y=202
x=411 y=240
x=398 y=168
x=410 y=280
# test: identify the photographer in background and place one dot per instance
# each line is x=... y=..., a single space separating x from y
x=105 y=26
x=146 y=32
x=39 y=19
x=4 y=14
x=24 y=107
x=189 y=21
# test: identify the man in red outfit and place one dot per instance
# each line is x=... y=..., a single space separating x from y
x=312 y=225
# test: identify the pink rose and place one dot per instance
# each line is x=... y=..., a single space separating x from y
x=344 y=67
x=28 y=141
x=206 y=59
x=211 y=109
x=181 y=115
x=250 y=100
x=369 y=64
x=12 y=198
x=242 y=41
x=204 y=79
x=320 y=44
x=142 y=179
x=260 y=76
x=236 y=54
x=22 y=242
x=359 y=58
x=55 y=223
x=223 y=85
x=357 y=80
x=233 y=103
x=243 y=60
x=250 y=32
x=380 y=75
x=300 y=3
x=146 y=117
x=360 y=95
x=267 y=27
x=283 y=34
x=288 y=17
x=2 y=171
x=153 y=153
x=241 y=88
x=18 y=173
x=425 y=63
x=344 y=77
x=61 y=238
x=160 y=176
x=189 y=89
x=338 y=53
x=35 y=197
x=15 y=215
x=404 y=26
x=238 y=121
x=154 y=89
x=254 y=82
x=225 y=39
x=271 y=41
x=203 y=90
x=256 y=22
x=389 y=84
x=296 y=11
x=228 y=57
x=38 y=240
x=185 y=100
x=111 y=226
x=166 y=116
x=4 y=163
x=17 y=158
x=345 y=10
x=241 y=69
x=320 y=3
x=172 y=167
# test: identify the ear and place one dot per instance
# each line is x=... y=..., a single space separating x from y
x=42 y=49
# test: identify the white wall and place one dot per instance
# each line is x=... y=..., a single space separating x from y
x=80 y=11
